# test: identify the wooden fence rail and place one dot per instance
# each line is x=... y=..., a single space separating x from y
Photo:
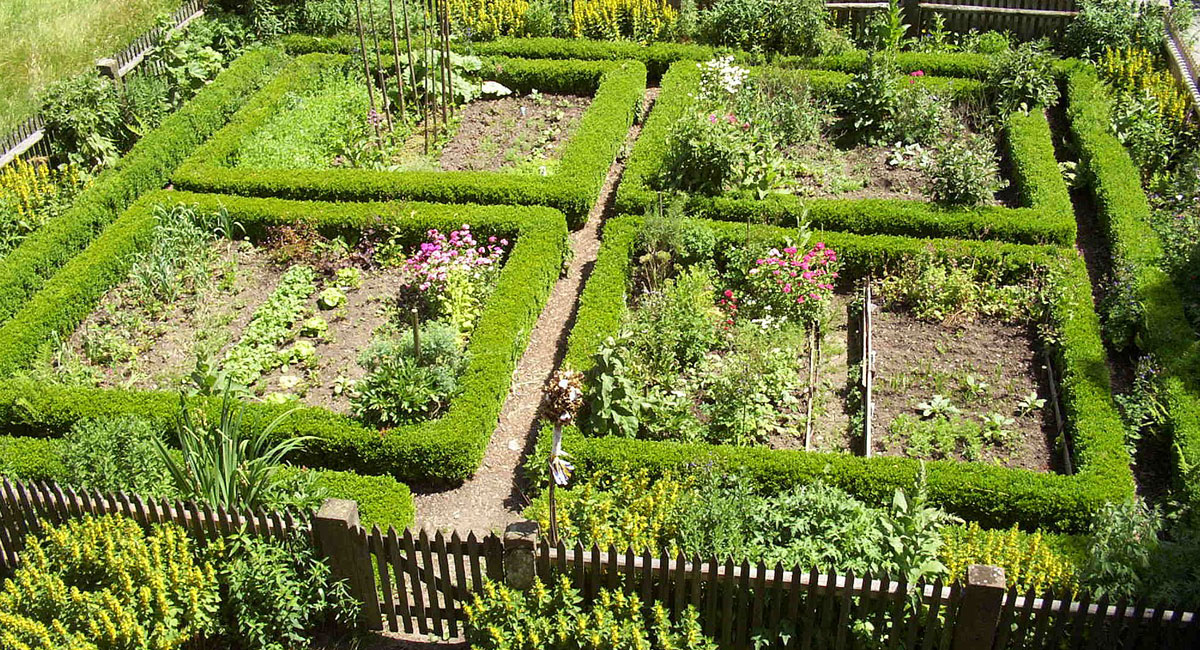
x=418 y=584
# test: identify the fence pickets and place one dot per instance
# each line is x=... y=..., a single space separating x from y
x=418 y=584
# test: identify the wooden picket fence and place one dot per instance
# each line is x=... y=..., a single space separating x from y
x=417 y=583
x=30 y=137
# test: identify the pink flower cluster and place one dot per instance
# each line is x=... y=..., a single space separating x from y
x=790 y=280
x=729 y=119
x=442 y=255
x=914 y=75
x=728 y=304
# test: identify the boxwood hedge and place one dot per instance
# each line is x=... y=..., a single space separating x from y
x=993 y=495
x=1045 y=216
x=573 y=188
x=382 y=500
x=658 y=57
x=1124 y=213
x=441 y=451
x=145 y=168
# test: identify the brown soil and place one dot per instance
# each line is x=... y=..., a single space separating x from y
x=501 y=133
x=164 y=346
x=915 y=360
x=863 y=172
x=495 y=496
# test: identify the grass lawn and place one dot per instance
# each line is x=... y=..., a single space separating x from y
x=42 y=41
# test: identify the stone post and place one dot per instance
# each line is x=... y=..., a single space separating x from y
x=520 y=544
x=109 y=68
x=979 y=613
x=342 y=541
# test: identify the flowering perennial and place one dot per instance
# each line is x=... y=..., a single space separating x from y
x=444 y=256
x=795 y=285
x=720 y=78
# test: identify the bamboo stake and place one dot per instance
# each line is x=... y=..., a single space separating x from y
x=412 y=66
x=868 y=370
x=444 y=28
x=385 y=101
x=362 y=47
x=396 y=61
x=428 y=59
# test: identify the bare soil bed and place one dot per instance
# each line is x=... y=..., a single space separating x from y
x=521 y=133
x=159 y=351
x=982 y=367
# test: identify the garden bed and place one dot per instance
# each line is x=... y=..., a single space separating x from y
x=837 y=173
x=1005 y=277
x=575 y=165
x=446 y=448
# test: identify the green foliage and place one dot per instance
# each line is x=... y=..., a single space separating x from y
x=145 y=168
x=794 y=27
x=103 y=582
x=401 y=389
x=116 y=455
x=177 y=259
x=964 y=172
x=618 y=88
x=223 y=466
x=613 y=403
x=556 y=617
x=937 y=290
x=711 y=154
x=32 y=195
x=382 y=500
x=674 y=328
x=1023 y=79
x=271 y=325
x=31 y=459
x=877 y=108
x=83 y=120
x=1102 y=24
x=276 y=592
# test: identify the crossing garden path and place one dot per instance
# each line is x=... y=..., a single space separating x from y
x=495 y=496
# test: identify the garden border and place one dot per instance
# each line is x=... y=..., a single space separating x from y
x=586 y=157
x=144 y=168
x=993 y=496
x=1046 y=215
x=445 y=450
x=1124 y=213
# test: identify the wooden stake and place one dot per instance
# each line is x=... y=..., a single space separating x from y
x=1058 y=418
x=412 y=66
x=868 y=370
x=425 y=82
x=812 y=392
x=385 y=102
x=444 y=24
x=416 y=325
x=396 y=61
x=362 y=47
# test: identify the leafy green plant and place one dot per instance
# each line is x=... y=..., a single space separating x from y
x=799 y=27
x=1102 y=24
x=271 y=325
x=872 y=100
x=937 y=406
x=998 y=429
x=221 y=465
x=1023 y=79
x=1031 y=561
x=277 y=592
x=714 y=152
x=83 y=120
x=674 y=328
x=1030 y=404
x=104 y=580
x=613 y=401
x=399 y=388
x=177 y=260
x=911 y=532
x=964 y=172
x=116 y=455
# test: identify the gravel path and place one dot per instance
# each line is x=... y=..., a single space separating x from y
x=494 y=497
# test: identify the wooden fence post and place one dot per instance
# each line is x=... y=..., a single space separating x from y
x=520 y=540
x=979 y=612
x=111 y=69
x=343 y=542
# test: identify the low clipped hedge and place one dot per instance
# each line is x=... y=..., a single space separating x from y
x=146 y=167
x=445 y=450
x=1045 y=216
x=658 y=57
x=572 y=189
x=992 y=495
x=1124 y=214
x=382 y=500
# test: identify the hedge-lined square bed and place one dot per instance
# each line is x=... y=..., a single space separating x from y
x=987 y=492
x=569 y=180
x=445 y=447
x=1034 y=209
